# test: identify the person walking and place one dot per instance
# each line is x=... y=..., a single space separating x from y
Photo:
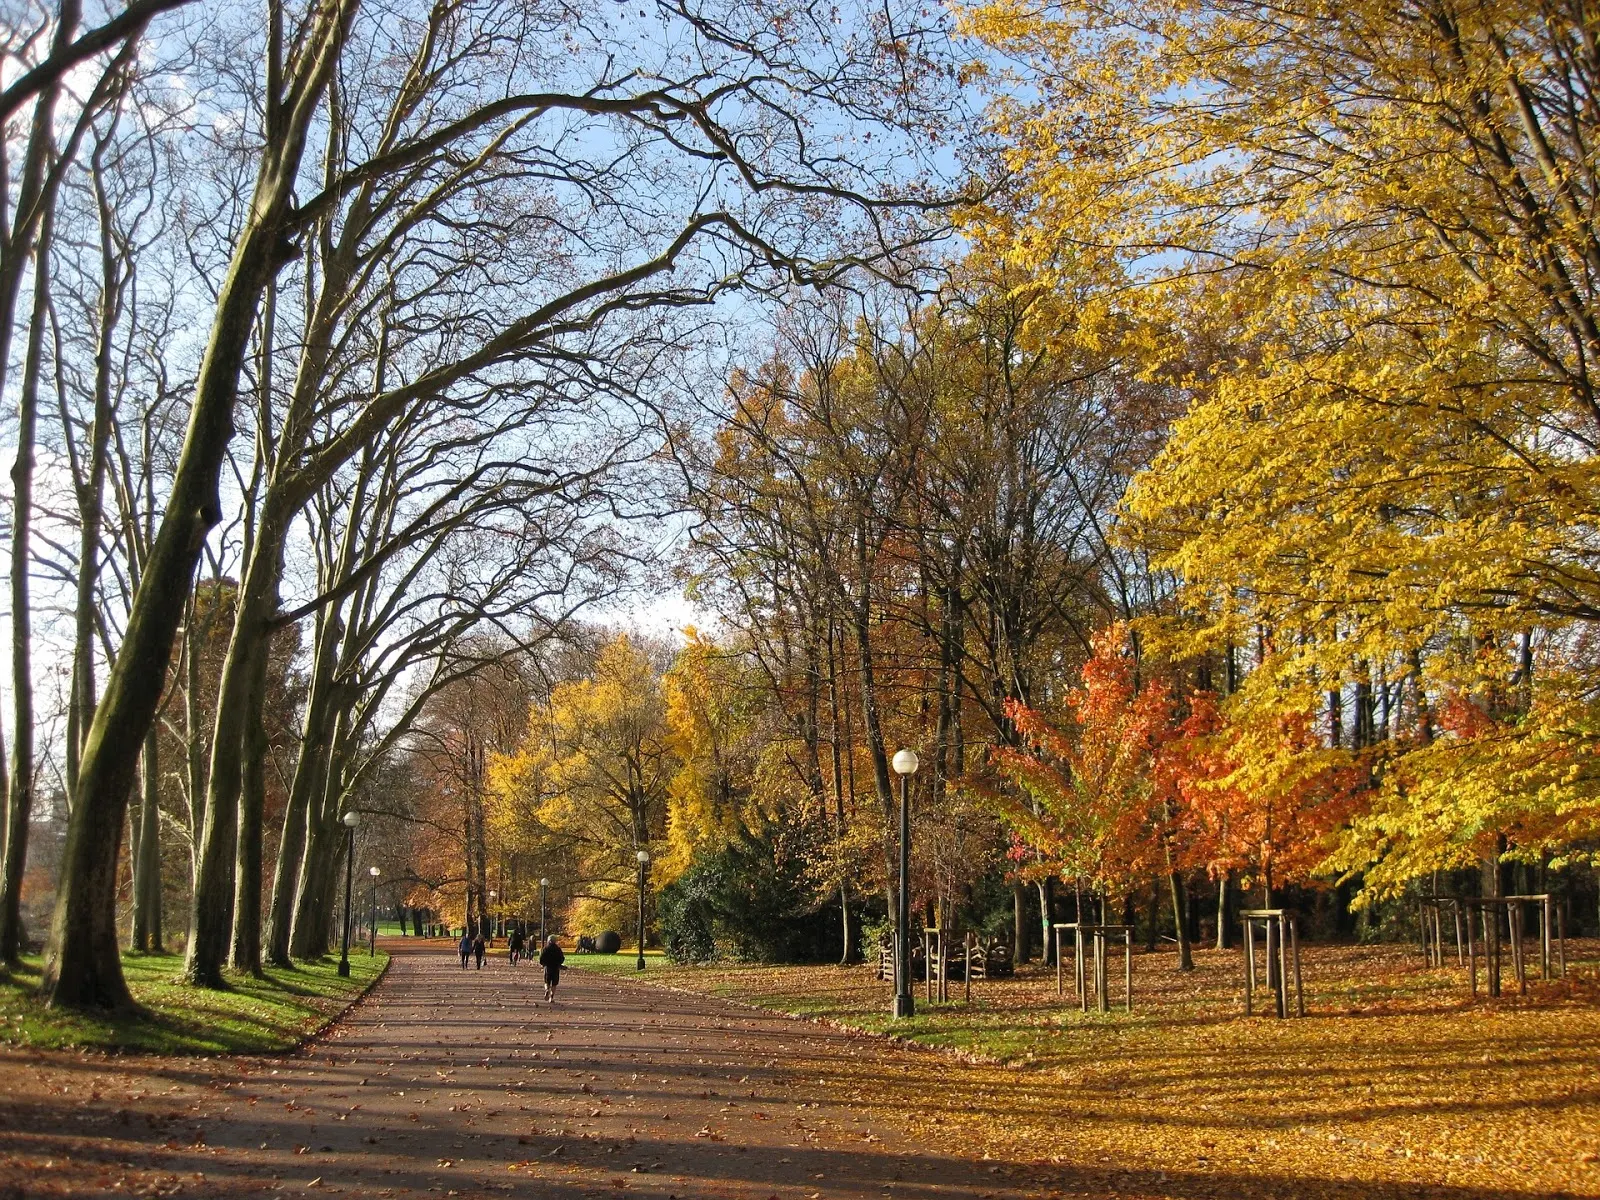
x=514 y=946
x=478 y=950
x=465 y=947
x=551 y=958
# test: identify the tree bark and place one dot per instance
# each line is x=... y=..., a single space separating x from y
x=147 y=932
x=246 y=951
x=1019 y=924
x=310 y=775
x=83 y=968
x=20 y=786
x=1180 y=920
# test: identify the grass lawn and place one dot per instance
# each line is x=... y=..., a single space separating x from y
x=253 y=1016
x=1393 y=1076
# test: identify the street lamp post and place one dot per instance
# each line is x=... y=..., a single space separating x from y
x=351 y=820
x=644 y=861
x=905 y=765
x=372 y=933
x=544 y=885
x=493 y=928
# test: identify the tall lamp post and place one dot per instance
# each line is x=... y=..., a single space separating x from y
x=351 y=820
x=544 y=886
x=905 y=765
x=644 y=861
x=493 y=929
x=372 y=933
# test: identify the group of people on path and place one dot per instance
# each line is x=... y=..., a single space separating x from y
x=472 y=946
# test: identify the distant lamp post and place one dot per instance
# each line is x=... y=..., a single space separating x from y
x=544 y=887
x=493 y=928
x=905 y=765
x=644 y=861
x=351 y=820
x=372 y=936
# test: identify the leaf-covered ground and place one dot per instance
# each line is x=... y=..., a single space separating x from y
x=1393 y=1078
x=254 y=1015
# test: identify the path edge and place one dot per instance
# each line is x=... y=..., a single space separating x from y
x=333 y=1018
x=970 y=1057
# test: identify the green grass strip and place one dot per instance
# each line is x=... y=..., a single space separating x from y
x=253 y=1016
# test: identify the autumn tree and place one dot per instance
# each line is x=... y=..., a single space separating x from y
x=1387 y=213
x=595 y=764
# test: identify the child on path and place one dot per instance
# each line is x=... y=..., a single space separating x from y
x=551 y=958
x=465 y=947
x=478 y=949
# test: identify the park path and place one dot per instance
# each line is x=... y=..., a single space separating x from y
x=457 y=1083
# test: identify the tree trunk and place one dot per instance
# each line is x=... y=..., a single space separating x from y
x=310 y=776
x=83 y=967
x=246 y=951
x=239 y=695
x=1019 y=925
x=313 y=905
x=1180 y=920
x=847 y=956
x=20 y=786
x=147 y=934
x=1047 y=916
x=1153 y=933
x=91 y=495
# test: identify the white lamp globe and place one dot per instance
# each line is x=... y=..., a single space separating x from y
x=906 y=762
x=352 y=818
x=643 y=856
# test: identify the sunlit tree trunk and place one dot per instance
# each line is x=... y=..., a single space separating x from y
x=83 y=967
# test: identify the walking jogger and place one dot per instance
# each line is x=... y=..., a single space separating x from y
x=551 y=958
x=478 y=949
x=514 y=946
x=466 y=948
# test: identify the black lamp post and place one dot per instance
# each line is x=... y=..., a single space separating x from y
x=351 y=820
x=544 y=885
x=372 y=934
x=494 y=920
x=644 y=861
x=905 y=765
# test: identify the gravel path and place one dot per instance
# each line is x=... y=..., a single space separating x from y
x=454 y=1083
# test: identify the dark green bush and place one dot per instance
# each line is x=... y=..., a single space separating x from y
x=748 y=902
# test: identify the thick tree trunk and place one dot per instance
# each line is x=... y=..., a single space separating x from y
x=246 y=951
x=83 y=967
x=310 y=776
x=239 y=696
x=314 y=901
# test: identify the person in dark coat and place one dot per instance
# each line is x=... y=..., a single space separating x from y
x=514 y=946
x=551 y=958
x=465 y=947
x=478 y=949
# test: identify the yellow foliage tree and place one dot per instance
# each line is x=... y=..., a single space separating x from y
x=1379 y=221
x=591 y=778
